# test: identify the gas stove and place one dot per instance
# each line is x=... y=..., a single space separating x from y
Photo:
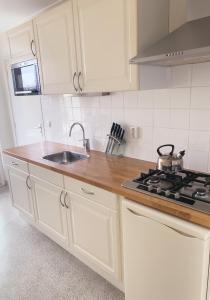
x=186 y=188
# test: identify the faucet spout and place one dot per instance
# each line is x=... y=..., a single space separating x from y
x=86 y=142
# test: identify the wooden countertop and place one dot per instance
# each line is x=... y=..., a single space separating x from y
x=107 y=172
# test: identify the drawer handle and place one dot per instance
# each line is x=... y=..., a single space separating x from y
x=60 y=198
x=65 y=200
x=173 y=229
x=27 y=182
x=87 y=192
x=79 y=75
x=32 y=47
x=14 y=163
x=75 y=74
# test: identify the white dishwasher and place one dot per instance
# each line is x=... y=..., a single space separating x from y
x=165 y=258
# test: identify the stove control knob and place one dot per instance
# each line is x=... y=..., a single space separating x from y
x=158 y=190
x=167 y=193
x=150 y=188
x=177 y=195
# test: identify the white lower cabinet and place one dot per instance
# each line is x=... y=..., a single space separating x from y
x=94 y=235
x=20 y=190
x=50 y=210
x=165 y=258
x=20 y=185
x=81 y=218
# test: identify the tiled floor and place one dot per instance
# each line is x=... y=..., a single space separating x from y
x=32 y=267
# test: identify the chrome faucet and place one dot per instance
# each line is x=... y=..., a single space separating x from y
x=86 y=142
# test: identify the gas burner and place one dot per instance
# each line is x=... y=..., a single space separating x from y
x=200 y=192
x=207 y=180
x=153 y=180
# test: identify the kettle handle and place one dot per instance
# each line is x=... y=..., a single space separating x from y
x=167 y=145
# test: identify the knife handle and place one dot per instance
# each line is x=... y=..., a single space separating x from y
x=112 y=128
x=122 y=134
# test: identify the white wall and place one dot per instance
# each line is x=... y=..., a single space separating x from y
x=6 y=135
x=178 y=115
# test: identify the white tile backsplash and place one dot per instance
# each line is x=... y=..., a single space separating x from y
x=201 y=74
x=198 y=160
x=200 y=98
x=200 y=120
x=181 y=76
x=178 y=115
x=199 y=140
x=131 y=100
x=180 y=119
x=180 y=98
x=162 y=118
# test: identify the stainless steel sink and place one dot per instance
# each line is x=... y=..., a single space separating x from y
x=65 y=157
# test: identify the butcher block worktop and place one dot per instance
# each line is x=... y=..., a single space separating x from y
x=107 y=172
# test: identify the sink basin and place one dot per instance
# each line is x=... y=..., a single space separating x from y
x=65 y=157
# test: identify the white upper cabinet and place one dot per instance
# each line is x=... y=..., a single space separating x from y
x=84 y=46
x=106 y=36
x=54 y=32
x=21 y=42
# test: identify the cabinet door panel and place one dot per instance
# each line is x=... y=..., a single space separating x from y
x=94 y=233
x=106 y=39
x=54 y=31
x=51 y=216
x=162 y=263
x=20 y=40
x=21 y=196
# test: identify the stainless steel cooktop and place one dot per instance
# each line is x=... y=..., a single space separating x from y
x=186 y=188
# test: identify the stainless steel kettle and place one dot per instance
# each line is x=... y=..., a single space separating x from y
x=170 y=162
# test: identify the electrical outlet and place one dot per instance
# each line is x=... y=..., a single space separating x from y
x=134 y=132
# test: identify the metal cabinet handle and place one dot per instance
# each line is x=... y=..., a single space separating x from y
x=14 y=163
x=62 y=204
x=27 y=183
x=65 y=200
x=173 y=229
x=75 y=74
x=79 y=75
x=32 y=50
x=86 y=192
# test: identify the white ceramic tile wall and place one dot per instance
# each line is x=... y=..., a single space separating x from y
x=179 y=114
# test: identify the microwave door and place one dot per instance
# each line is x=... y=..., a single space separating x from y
x=26 y=79
x=29 y=78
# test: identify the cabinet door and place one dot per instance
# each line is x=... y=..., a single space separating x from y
x=21 y=41
x=54 y=32
x=50 y=214
x=94 y=234
x=106 y=34
x=161 y=262
x=20 y=192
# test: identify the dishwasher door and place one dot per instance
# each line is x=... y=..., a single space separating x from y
x=165 y=258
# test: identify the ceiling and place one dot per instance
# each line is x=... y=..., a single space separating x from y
x=13 y=12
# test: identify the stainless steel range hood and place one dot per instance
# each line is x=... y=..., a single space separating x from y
x=188 y=44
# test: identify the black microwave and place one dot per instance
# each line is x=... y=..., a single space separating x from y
x=25 y=76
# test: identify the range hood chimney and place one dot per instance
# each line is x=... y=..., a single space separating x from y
x=188 y=44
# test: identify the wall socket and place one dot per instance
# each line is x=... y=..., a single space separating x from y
x=134 y=132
